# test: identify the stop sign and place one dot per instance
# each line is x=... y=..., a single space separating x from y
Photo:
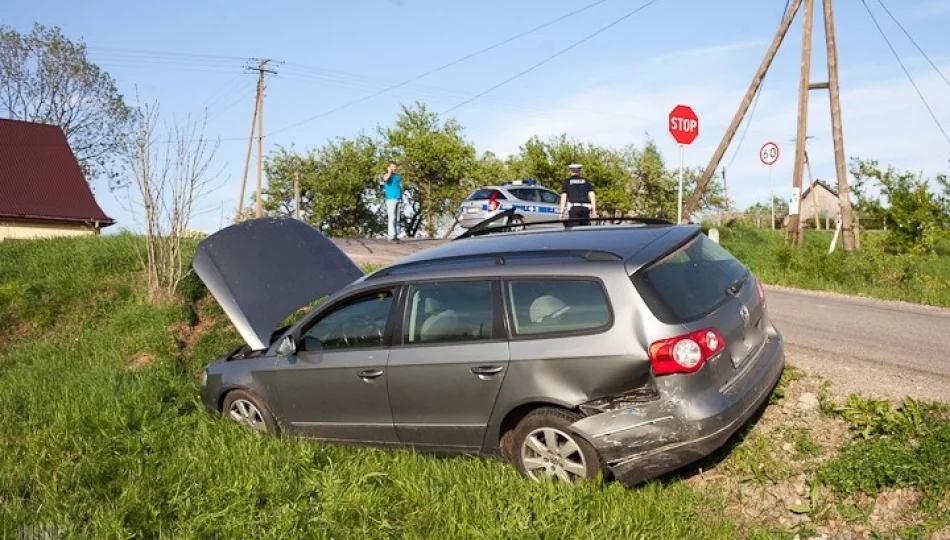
x=684 y=124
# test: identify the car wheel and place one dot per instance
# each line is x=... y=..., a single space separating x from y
x=246 y=409
x=542 y=447
x=516 y=222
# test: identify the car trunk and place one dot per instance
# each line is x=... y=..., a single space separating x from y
x=699 y=286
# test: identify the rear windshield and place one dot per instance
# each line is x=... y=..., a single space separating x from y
x=691 y=282
x=483 y=194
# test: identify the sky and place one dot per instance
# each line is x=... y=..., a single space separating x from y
x=614 y=89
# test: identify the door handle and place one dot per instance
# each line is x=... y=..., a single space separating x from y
x=370 y=373
x=487 y=370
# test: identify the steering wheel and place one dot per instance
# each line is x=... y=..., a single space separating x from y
x=355 y=327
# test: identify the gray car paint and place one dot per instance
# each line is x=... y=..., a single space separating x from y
x=437 y=403
x=262 y=270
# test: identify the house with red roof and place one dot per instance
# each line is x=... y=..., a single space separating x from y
x=43 y=192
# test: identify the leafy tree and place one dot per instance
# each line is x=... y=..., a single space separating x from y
x=339 y=192
x=46 y=78
x=435 y=160
x=630 y=181
x=915 y=216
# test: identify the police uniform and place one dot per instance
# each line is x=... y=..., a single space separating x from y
x=578 y=190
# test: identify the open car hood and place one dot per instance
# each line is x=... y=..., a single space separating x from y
x=262 y=270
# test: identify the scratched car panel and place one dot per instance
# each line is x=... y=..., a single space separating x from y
x=629 y=350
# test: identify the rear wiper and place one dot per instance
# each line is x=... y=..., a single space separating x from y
x=737 y=285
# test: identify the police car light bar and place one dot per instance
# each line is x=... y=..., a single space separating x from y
x=525 y=182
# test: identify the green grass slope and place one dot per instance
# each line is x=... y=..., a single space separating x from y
x=102 y=435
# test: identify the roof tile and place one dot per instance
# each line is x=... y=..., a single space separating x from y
x=40 y=177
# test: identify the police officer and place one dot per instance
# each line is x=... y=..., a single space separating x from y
x=577 y=197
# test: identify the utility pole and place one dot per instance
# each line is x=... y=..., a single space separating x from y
x=297 y=194
x=257 y=117
x=848 y=238
x=250 y=141
x=743 y=108
x=844 y=196
x=260 y=142
x=794 y=205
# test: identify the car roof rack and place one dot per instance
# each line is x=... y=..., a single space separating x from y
x=489 y=226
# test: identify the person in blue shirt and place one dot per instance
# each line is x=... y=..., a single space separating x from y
x=392 y=190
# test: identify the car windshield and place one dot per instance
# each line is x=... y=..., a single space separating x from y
x=691 y=282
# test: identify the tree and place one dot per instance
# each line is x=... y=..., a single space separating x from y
x=46 y=78
x=435 y=160
x=630 y=181
x=339 y=191
x=915 y=216
x=170 y=177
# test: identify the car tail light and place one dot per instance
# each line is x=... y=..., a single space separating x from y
x=758 y=286
x=687 y=353
x=493 y=201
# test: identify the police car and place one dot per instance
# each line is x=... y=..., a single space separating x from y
x=531 y=203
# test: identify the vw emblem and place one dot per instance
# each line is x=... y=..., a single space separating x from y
x=744 y=313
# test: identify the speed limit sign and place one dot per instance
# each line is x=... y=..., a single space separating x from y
x=769 y=153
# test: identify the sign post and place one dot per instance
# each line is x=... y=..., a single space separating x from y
x=768 y=154
x=684 y=127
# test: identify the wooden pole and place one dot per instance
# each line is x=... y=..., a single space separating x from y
x=848 y=242
x=794 y=207
x=247 y=160
x=260 y=143
x=297 y=194
x=743 y=108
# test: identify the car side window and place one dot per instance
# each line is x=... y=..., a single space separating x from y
x=527 y=194
x=549 y=196
x=449 y=312
x=551 y=306
x=355 y=324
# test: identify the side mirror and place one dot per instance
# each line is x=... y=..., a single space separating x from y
x=287 y=346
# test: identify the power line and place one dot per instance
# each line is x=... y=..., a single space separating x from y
x=442 y=67
x=755 y=104
x=912 y=40
x=552 y=57
x=906 y=72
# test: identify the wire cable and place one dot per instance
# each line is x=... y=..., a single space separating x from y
x=440 y=68
x=912 y=40
x=906 y=72
x=551 y=57
x=755 y=103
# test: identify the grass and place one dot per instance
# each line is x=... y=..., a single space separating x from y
x=870 y=272
x=102 y=436
x=99 y=450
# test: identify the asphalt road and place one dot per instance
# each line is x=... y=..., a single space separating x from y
x=888 y=349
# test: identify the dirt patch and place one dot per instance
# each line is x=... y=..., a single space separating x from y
x=767 y=477
x=893 y=509
x=139 y=361
x=188 y=334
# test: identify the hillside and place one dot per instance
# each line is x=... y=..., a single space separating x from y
x=102 y=435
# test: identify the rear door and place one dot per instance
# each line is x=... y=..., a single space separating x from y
x=445 y=375
x=701 y=285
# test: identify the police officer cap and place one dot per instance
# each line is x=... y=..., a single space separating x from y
x=574 y=167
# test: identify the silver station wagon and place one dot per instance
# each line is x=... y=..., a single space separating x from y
x=628 y=350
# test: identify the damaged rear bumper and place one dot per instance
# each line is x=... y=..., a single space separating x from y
x=646 y=441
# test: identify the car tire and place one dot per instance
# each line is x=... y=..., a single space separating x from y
x=516 y=221
x=542 y=446
x=243 y=407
